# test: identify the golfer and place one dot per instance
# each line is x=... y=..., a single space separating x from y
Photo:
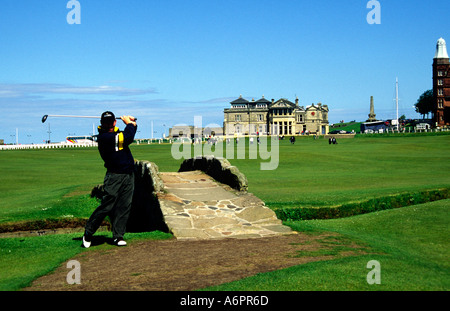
x=119 y=179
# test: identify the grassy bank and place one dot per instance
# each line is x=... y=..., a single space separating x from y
x=410 y=244
x=364 y=207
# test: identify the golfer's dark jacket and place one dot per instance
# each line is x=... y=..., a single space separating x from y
x=114 y=150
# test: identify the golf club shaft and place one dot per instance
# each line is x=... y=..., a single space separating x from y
x=59 y=116
x=44 y=118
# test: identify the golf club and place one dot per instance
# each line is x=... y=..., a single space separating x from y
x=44 y=118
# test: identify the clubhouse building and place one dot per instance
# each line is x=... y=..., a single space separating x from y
x=281 y=117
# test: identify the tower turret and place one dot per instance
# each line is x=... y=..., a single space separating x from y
x=441 y=49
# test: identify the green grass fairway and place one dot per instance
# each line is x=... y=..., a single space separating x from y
x=310 y=173
x=33 y=182
x=314 y=173
x=43 y=184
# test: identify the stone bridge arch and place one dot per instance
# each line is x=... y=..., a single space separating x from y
x=206 y=199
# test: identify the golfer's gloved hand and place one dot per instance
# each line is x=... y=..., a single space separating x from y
x=128 y=119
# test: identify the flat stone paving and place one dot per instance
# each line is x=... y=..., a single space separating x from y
x=195 y=206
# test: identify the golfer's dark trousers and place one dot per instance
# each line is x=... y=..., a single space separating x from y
x=116 y=203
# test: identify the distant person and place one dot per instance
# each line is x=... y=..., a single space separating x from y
x=119 y=179
x=292 y=139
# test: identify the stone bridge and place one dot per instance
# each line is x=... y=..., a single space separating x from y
x=206 y=199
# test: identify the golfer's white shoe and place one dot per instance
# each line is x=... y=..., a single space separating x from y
x=86 y=242
x=120 y=242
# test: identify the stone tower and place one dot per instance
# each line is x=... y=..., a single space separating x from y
x=441 y=85
x=372 y=115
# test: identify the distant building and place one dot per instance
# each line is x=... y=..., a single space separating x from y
x=441 y=85
x=374 y=127
x=280 y=117
x=189 y=131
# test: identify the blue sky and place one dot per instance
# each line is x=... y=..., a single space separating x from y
x=168 y=61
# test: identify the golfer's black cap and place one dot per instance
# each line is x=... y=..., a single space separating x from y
x=107 y=118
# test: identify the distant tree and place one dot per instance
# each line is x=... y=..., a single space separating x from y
x=424 y=104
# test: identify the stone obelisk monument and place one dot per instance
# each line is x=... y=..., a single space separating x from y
x=372 y=115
